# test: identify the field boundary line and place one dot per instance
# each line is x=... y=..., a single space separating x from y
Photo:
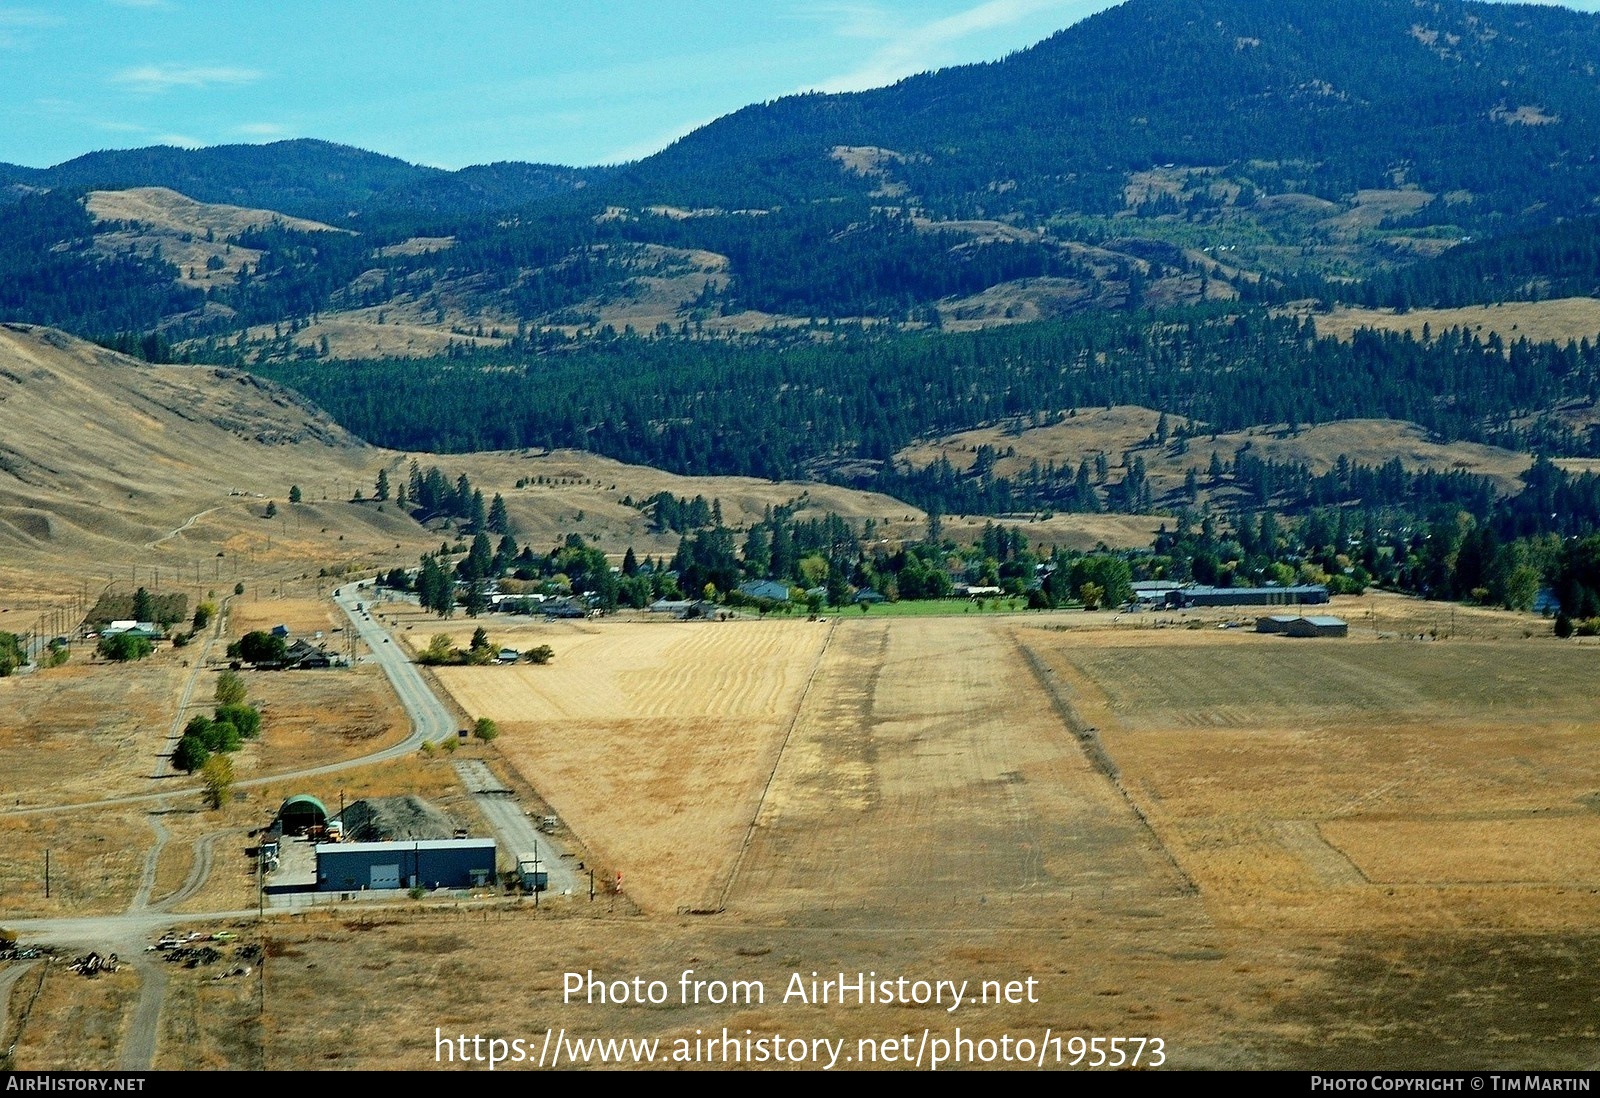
x=1094 y=751
x=772 y=775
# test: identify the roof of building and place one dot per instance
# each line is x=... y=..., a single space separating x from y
x=1291 y=589
x=1326 y=620
x=768 y=589
x=302 y=800
x=405 y=844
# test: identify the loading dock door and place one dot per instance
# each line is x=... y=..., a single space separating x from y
x=385 y=876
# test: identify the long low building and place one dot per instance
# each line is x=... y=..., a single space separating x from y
x=1301 y=594
x=1290 y=625
x=424 y=863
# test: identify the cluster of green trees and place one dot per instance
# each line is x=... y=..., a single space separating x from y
x=121 y=647
x=163 y=609
x=432 y=495
x=258 y=647
x=479 y=651
x=231 y=723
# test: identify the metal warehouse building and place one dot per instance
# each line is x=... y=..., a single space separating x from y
x=1303 y=594
x=428 y=863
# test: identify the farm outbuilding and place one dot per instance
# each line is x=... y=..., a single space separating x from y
x=1291 y=625
x=301 y=813
x=428 y=863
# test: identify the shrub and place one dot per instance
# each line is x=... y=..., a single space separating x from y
x=230 y=689
x=190 y=754
x=243 y=717
x=542 y=654
x=10 y=654
x=122 y=647
x=438 y=651
x=218 y=775
x=262 y=647
x=486 y=730
x=57 y=653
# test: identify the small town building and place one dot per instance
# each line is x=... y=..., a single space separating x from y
x=531 y=873
x=765 y=589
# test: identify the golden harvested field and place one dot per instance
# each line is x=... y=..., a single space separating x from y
x=928 y=770
x=651 y=740
x=1358 y=783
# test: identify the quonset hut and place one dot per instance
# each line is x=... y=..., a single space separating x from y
x=300 y=814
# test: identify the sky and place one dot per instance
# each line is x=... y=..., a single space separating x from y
x=456 y=82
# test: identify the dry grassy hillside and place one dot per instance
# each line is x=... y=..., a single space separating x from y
x=1127 y=431
x=1559 y=320
x=189 y=234
x=113 y=468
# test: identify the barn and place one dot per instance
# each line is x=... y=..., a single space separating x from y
x=424 y=863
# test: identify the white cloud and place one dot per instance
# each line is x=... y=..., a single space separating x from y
x=159 y=78
x=638 y=150
x=183 y=141
x=910 y=50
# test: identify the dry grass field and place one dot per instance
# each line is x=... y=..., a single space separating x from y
x=1196 y=832
x=1560 y=319
x=1370 y=852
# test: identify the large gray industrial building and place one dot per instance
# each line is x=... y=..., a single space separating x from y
x=425 y=863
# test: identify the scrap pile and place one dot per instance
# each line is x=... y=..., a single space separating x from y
x=93 y=964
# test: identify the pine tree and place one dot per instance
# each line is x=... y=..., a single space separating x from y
x=499 y=521
x=380 y=491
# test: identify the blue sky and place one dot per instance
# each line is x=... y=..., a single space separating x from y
x=457 y=82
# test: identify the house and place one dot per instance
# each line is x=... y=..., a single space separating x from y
x=868 y=597
x=149 y=630
x=671 y=606
x=301 y=655
x=508 y=655
x=771 y=590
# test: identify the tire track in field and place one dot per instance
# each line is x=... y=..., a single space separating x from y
x=777 y=760
x=1095 y=752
